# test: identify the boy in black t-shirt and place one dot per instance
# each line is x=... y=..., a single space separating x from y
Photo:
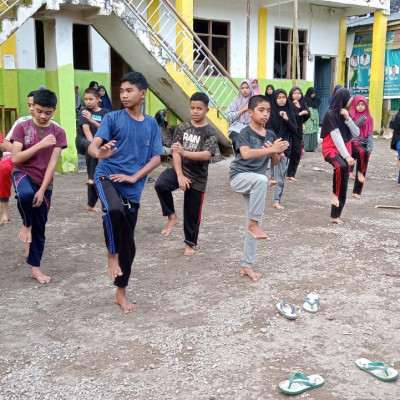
x=195 y=143
x=89 y=119
x=255 y=146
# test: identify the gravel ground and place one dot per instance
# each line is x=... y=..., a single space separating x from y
x=202 y=331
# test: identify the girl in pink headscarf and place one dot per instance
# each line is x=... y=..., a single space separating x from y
x=362 y=146
x=237 y=112
x=254 y=84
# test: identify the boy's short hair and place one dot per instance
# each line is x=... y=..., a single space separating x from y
x=199 y=96
x=45 y=98
x=256 y=100
x=135 y=78
x=31 y=93
x=92 y=91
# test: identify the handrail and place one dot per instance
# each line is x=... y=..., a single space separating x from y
x=168 y=30
x=7 y=6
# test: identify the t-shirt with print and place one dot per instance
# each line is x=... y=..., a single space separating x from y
x=137 y=142
x=29 y=134
x=250 y=138
x=193 y=138
x=96 y=115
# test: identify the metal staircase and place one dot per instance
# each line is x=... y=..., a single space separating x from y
x=154 y=39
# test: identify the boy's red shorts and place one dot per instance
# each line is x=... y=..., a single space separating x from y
x=6 y=167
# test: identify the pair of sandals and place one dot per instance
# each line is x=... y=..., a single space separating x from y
x=298 y=383
x=288 y=310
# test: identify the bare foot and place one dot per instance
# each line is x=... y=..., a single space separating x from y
x=336 y=221
x=27 y=247
x=5 y=217
x=95 y=209
x=37 y=274
x=254 y=276
x=89 y=182
x=278 y=206
x=255 y=230
x=25 y=234
x=352 y=176
x=334 y=200
x=291 y=178
x=113 y=268
x=360 y=177
x=189 y=250
x=126 y=305
x=272 y=182
x=172 y=221
x=357 y=196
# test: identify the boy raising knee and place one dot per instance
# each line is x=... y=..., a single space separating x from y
x=195 y=143
x=128 y=145
x=36 y=148
x=255 y=147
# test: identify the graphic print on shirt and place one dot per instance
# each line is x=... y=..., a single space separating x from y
x=190 y=141
x=29 y=135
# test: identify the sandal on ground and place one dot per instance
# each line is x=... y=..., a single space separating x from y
x=379 y=369
x=299 y=383
x=311 y=303
x=287 y=310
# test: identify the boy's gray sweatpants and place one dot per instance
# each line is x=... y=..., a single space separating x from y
x=278 y=172
x=253 y=187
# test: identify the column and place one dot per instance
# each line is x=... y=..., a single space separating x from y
x=262 y=43
x=341 y=61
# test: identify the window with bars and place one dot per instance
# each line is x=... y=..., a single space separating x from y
x=216 y=36
x=283 y=53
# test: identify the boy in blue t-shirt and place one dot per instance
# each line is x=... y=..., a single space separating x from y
x=128 y=145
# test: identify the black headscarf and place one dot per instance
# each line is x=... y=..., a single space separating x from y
x=333 y=119
x=270 y=96
x=276 y=123
x=313 y=102
x=300 y=120
x=337 y=87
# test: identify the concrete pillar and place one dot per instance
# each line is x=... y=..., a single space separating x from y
x=377 y=67
x=341 y=63
x=262 y=43
x=60 y=79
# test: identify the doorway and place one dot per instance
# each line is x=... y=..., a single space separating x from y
x=323 y=82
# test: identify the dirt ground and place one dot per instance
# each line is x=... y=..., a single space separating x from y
x=202 y=331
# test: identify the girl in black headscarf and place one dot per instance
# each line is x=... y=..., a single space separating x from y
x=282 y=121
x=269 y=93
x=301 y=113
x=337 y=130
x=312 y=125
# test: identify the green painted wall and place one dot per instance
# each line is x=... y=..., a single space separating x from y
x=28 y=80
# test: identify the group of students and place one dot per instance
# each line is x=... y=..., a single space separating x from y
x=103 y=101
x=128 y=145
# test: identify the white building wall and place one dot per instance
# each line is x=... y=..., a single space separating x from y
x=100 y=52
x=26 y=45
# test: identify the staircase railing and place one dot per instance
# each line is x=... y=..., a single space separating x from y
x=169 y=30
x=6 y=5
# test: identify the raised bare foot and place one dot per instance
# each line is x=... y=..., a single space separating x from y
x=113 y=268
x=337 y=221
x=89 y=182
x=255 y=230
x=172 y=221
x=37 y=274
x=291 y=178
x=278 y=206
x=352 y=176
x=25 y=234
x=95 y=209
x=126 y=305
x=357 y=196
x=5 y=217
x=360 y=177
x=254 y=276
x=334 y=200
x=189 y=250
x=27 y=247
x=272 y=182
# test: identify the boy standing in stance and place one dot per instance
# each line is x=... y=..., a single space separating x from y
x=255 y=146
x=36 y=148
x=195 y=143
x=128 y=145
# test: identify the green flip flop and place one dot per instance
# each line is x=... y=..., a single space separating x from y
x=379 y=369
x=299 y=383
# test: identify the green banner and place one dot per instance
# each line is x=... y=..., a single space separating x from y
x=360 y=66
